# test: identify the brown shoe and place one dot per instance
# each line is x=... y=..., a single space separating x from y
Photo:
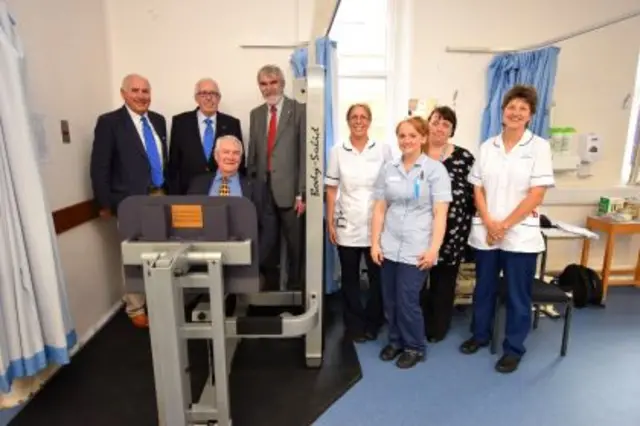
x=140 y=321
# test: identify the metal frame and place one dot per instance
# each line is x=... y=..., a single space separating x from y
x=165 y=268
x=287 y=46
x=564 y=37
x=537 y=306
x=166 y=276
x=314 y=278
x=634 y=173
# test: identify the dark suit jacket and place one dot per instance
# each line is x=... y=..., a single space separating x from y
x=119 y=162
x=186 y=154
x=259 y=194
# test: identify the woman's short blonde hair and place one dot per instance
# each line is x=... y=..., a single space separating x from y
x=365 y=107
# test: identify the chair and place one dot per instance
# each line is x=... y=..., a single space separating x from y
x=542 y=294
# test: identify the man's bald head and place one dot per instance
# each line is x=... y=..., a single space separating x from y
x=136 y=93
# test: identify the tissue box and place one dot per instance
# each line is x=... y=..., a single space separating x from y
x=610 y=205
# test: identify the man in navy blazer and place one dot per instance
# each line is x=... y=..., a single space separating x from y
x=193 y=136
x=228 y=181
x=128 y=157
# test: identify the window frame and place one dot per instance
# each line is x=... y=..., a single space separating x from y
x=630 y=168
x=387 y=74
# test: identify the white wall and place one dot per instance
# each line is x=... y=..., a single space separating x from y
x=174 y=43
x=69 y=78
x=595 y=73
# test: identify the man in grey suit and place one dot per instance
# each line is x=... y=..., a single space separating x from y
x=277 y=149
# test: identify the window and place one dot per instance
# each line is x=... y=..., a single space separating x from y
x=371 y=91
x=361 y=30
x=631 y=158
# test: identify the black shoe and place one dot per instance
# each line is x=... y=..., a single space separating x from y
x=370 y=335
x=409 y=359
x=434 y=339
x=508 y=364
x=355 y=336
x=471 y=346
x=389 y=353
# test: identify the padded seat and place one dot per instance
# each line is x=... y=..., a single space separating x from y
x=544 y=293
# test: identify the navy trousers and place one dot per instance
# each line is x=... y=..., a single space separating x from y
x=519 y=271
x=359 y=319
x=401 y=286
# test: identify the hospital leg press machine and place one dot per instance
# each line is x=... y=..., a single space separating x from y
x=166 y=243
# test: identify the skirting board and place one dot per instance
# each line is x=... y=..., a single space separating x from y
x=97 y=327
x=586 y=196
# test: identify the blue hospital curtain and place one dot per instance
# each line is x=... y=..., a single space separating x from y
x=536 y=68
x=36 y=329
x=325 y=56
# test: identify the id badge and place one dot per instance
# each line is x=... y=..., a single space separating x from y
x=340 y=220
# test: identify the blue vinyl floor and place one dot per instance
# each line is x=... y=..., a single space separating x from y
x=597 y=383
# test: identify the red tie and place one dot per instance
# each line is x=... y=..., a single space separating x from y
x=271 y=137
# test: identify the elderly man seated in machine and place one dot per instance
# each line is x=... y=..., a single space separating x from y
x=226 y=181
x=224 y=224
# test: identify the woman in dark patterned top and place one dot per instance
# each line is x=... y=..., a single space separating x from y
x=439 y=292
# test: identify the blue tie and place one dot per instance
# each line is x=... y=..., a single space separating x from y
x=208 y=138
x=152 y=153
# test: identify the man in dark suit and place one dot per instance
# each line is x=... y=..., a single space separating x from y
x=227 y=181
x=128 y=157
x=277 y=149
x=193 y=136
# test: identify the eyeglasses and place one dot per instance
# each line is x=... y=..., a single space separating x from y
x=204 y=94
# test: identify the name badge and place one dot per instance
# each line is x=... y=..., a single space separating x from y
x=394 y=179
x=340 y=220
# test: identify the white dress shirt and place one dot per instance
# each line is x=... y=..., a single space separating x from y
x=203 y=126
x=137 y=122
x=278 y=106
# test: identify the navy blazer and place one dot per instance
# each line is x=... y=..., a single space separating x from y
x=186 y=154
x=259 y=195
x=119 y=163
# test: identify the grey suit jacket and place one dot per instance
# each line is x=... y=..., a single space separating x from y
x=288 y=161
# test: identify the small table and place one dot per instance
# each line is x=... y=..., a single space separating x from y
x=611 y=228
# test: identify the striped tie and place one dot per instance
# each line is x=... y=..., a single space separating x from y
x=224 y=188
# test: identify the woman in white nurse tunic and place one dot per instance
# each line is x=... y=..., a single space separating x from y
x=510 y=176
x=351 y=173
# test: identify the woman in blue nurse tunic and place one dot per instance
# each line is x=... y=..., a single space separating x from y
x=412 y=195
x=510 y=176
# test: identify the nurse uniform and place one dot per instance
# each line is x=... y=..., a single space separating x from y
x=355 y=173
x=506 y=179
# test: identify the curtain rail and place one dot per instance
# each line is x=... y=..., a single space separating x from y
x=333 y=17
x=295 y=46
x=603 y=24
x=272 y=46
